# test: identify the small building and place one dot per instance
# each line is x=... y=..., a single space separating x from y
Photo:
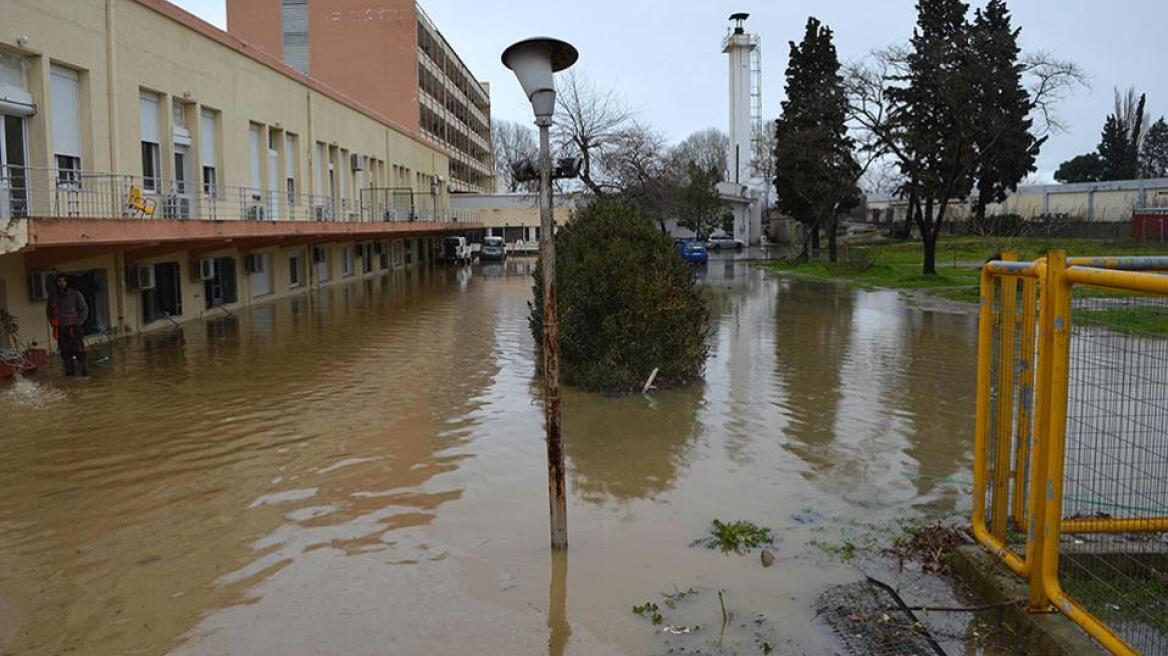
x=513 y=216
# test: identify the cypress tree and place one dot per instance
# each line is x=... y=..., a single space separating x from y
x=932 y=115
x=1005 y=148
x=815 y=172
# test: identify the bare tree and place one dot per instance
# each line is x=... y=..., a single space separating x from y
x=638 y=164
x=1050 y=81
x=762 y=153
x=588 y=121
x=709 y=149
x=510 y=142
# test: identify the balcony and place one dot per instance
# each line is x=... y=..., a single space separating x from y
x=43 y=193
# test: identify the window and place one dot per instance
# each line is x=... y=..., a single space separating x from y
x=180 y=169
x=208 y=138
x=347 y=260
x=66 y=120
x=148 y=127
x=294 y=33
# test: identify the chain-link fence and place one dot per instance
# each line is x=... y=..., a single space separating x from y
x=1073 y=402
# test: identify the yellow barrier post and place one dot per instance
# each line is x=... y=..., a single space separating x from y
x=1058 y=295
x=1004 y=430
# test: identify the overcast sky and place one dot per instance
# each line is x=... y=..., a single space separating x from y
x=664 y=57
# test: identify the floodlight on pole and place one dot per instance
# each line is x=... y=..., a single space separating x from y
x=535 y=62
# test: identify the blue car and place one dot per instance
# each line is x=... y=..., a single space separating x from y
x=692 y=251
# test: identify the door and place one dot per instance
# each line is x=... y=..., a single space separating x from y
x=13 y=182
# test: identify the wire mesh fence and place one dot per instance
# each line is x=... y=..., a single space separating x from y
x=1113 y=553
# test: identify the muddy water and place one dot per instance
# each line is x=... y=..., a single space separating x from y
x=361 y=471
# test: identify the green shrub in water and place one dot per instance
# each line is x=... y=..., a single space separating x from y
x=627 y=303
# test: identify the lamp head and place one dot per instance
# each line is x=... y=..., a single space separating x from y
x=534 y=62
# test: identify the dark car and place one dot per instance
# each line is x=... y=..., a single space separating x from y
x=692 y=251
x=494 y=248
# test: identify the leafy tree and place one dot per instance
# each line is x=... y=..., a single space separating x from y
x=1081 y=168
x=936 y=129
x=1154 y=157
x=627 y=303
x=1005 y=148
x=701 y=207
x=1123 y=133
x=815 y=173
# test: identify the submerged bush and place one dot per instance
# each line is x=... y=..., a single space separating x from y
x=627 y=303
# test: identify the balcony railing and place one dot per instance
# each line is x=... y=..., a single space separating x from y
x=62 y=193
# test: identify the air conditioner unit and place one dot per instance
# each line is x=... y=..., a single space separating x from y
x=318 y=254
x=253 y=263
x=358 y=162
x=140 y=277
x=176 y=207
x=256 y=212
x=435 y=185
x=206 y=269
x=391 y=215
x=40 y=285
x=322 y=213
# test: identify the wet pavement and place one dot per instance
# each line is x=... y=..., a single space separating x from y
x=361 y=470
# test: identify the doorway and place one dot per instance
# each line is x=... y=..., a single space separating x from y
x=221 y=289
x=13 y=179
x=165 y=300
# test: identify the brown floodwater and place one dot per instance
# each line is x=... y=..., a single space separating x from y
x=361 y=470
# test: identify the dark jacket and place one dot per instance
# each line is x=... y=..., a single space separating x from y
x=68 y=308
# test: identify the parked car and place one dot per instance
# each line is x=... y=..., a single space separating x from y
x=692 y=251
x=456 y=249
x=494 y=248
x=719 y=240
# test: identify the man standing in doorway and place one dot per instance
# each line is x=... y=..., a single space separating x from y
x=68 y=313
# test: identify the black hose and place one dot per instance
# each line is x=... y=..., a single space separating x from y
x=907 y=611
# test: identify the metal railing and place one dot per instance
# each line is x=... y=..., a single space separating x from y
x=1071 y=439
x=62 y=193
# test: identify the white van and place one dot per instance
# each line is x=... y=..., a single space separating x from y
x=456 y=249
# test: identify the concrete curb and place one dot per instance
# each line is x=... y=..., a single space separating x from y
x=1047 y=634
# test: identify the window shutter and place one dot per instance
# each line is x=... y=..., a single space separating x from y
x=66 y=111
x=148 y=122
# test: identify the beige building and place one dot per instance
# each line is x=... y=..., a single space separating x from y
x=1103 y=202
x=388 y=55
x=513 y=216
x=171 y=169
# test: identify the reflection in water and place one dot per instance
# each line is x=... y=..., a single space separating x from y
x=361 y=469
x=628 y=448
x=559 y=629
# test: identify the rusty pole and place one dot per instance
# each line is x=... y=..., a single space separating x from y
x=557 y=500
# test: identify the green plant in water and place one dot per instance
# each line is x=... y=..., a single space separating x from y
x=650 y=610
x=737 y=536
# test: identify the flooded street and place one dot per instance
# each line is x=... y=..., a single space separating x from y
x=362 y=471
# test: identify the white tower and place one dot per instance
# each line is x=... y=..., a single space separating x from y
x=745 y=194
x=745 y=95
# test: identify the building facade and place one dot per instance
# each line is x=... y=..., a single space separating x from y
x=1097 y=202
x=171 y=169
x=513 y=216
x=388 y=55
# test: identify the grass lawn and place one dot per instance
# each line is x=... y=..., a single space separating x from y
x=897 y=265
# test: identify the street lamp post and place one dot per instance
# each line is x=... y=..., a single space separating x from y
x=535 y=62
